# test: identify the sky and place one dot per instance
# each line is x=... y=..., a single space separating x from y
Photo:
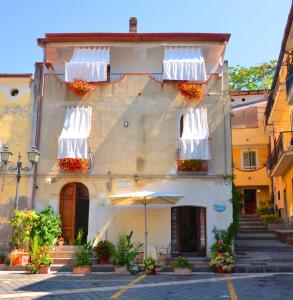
x=256 y=26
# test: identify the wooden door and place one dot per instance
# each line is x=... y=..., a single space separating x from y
x=67 y=211
x=250 y=201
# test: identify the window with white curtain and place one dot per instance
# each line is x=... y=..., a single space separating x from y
x=194 y=135
x=88 y=64
x=72 y=142
x=184 y=63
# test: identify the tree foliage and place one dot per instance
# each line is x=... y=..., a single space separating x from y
x=252 y=78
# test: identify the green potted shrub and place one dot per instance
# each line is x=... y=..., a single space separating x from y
x=44 y=261
x=83 y=255
x=181 y=266
x=2 y=258
x=103 y=250
x=124 y=253
x=150 y=266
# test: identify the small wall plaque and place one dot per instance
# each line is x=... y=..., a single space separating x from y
x=219 y=206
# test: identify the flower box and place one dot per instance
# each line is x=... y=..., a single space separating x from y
x=80 y=87
x=121 y=270
x=85 y=269
x=19 y=258
x=192 y=91
x=44 y=269
x=73 y=165
x=191 y=165
x=183 y=271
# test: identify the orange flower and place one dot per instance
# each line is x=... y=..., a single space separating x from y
x=73 y=165
x=80 y=87
x=191 y=90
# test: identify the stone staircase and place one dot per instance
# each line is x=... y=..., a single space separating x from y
x=200 y=264
x=259 y=250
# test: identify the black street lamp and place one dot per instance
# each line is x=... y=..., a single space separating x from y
x=33 y=157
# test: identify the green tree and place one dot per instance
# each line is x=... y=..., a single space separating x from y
x=252 y=78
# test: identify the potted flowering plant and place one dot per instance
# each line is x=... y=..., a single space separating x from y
x=192 y=91
x=150 y=266
x=103 y=250
x=182 y=266
x=223 y=262
x=73 y=165
x=192 y=165
x=80 y=87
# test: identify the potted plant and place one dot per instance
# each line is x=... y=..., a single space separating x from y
x=103 y=250
x=83 y=263
x=44 y=261
x=80 y=87
x=2 y=258
x=181 y=266
x=223 y=262
x=60 y=241
x=150 y=266
x=124 y=253
x=190 y=90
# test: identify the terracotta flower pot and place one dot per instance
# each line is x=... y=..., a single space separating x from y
x=151 y=271
x=122 y=270
x=85 y=269
x=44 y=269
x=105 y=259
x=60 y=243
x=183 y=271
x=220 y=270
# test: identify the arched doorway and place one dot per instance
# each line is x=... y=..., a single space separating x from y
x=74 y=210
x=188 y=231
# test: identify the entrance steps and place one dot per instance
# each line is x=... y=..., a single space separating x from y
x=258 y=249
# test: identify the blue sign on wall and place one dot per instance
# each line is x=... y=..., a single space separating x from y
x=219 y=206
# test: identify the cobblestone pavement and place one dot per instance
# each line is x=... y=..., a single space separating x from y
x=164 y=286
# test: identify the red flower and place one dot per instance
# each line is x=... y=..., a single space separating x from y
x=191 y=90
x=80 y=87
x=73 y=165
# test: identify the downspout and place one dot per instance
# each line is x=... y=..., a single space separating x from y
x=38 y=124
x=225 y=129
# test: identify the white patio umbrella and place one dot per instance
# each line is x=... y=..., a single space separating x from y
x=144 y=198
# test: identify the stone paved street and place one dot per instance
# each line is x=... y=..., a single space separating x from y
x=164 y=286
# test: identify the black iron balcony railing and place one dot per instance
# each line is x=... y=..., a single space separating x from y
x=283 y=144
x=112 y=77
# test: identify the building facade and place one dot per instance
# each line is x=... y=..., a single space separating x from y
x=16 y=119
x=250 y=148
x=135 y=130
x=279 y=128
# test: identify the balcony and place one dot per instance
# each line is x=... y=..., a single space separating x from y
x=281 y=158
x=269 y=108
x=113 y=77
x=289 y=85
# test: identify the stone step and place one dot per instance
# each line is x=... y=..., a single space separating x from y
x=263 y=268
x=256 y=231
x=248 y=227
x=251 y=236
x=241 y=249
x=241 y=223
x=62 y=254
x=65 y=248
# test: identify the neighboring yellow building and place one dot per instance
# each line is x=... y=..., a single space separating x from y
x=250 y=148
x=16 y=113
x=279 y=127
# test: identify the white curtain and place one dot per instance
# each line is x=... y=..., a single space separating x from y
x=72 y=142
x=194 y=143
x=184 y=63
x=88 y=64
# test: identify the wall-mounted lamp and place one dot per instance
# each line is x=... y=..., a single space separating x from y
x=125 y=124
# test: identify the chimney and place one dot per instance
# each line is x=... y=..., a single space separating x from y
x=133 y=25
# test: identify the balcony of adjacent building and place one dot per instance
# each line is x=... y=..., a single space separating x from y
x=289 y=85
x=281 y=158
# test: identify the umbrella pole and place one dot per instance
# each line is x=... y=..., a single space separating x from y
x=145 y=231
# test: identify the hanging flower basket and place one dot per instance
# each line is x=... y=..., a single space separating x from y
x=192 y=91
x=73 y=165
x=192 y=165
x=80 y=87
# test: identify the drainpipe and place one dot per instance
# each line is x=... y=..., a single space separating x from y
x=38 y=124
x=224 y=118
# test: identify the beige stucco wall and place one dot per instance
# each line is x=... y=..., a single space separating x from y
x=15 y=131
x=146 y=148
